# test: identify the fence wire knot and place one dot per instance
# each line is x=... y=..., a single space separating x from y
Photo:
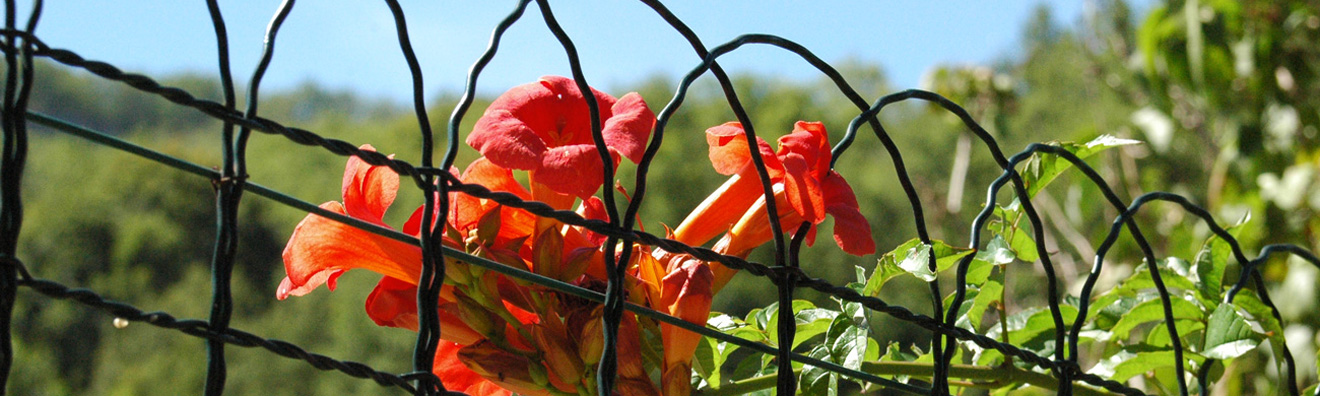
x=11 y=262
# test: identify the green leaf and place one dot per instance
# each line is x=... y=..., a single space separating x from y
x=811 y=323
x=1151 y=311
x=1159 y=335
x=916 y=261
x=1033 y=322
x=887 y=268
x=913 y=257
x=847 y=343
x=1263 y=316
x=1042 y=169
x=966 y=307
x=990 y=292
x=1131 y=362
x=997 y=251
x=1228 y=334
x=1107 y=309
x=712 y=354
x=770 y=316
x=1211 y=261
x=815 y=380
x=1173 y=272
x=1024 y=246
x=978 y=271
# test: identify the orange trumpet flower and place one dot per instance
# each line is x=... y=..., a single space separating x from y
x=805 y=190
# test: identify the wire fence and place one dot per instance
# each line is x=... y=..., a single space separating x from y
x=22 y=45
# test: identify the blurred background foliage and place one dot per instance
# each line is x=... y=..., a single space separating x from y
x=1225 y=94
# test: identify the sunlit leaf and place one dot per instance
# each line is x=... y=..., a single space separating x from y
x=1211 y=261
x=1024 y=246
x=1042 y=169
x=1228 y=334
x=1132 y=362
x=913 y=257
x=1173 y=277
x=997 y=251
x=1159 y=335
x=1152 y=311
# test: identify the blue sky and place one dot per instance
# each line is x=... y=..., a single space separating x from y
x=351 y=44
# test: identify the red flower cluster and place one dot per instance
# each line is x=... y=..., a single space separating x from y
x=502 y=335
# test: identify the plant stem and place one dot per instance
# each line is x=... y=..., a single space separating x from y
x=993 y=377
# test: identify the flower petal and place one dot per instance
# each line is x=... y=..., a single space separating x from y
x=630 y=357
x=628 y=128
x=720 y=210
x=321 y=247
x=466 y=211
x=393 y=303
x=592 y=209
x=729 y=151
x=574 y=170
x=686 y=294
x=570 y=115
x=851 y=230
x=805 y=155
x=507 y=140
x=368 y=190
x=494 y=177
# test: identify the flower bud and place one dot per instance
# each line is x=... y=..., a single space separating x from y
x=559 y=353
x=457 y=272
x=591 y=342
x=508 y=370
x=538 y=375
x=475 y=316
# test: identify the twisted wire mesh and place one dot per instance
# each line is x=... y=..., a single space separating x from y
x=435 y=183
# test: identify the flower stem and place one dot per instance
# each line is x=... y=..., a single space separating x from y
x=988 y=377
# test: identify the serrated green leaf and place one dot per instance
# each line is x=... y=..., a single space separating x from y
x=816 y=381
x=1103 y=312
x=710 y=357
x=847 y=343
x=887 y=268
x=1228 y=334
x=1042 y=169
x=1151 y=311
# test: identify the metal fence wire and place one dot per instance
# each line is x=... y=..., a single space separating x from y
x=22 y=45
